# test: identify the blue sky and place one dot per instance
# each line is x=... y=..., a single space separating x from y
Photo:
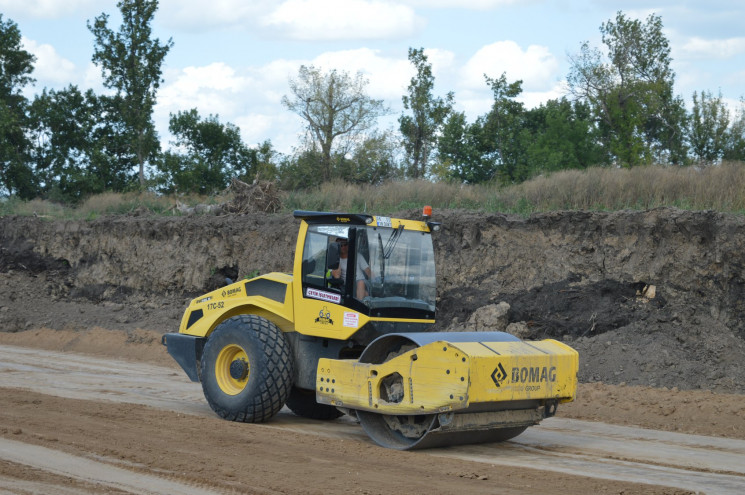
x=233 y=58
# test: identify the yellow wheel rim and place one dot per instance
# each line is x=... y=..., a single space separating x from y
x=232 y=381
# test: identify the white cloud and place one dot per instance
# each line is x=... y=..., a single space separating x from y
x=442 y=61
x=532 y=99
x=296 y=19
x=464 y=4
x=50 y=69
x=199 y=15
x=640 y=14
x=735 y=78
x=689 y=78
x=536 y=66
x=275 y=75
x=210 y=89
x=93 y=79
x=475 y=103
x=284 y=129
x=388 y=77
x=343 y=19
x=718 y=49
x=736 y=107
x=45 y=9
x=247 y=97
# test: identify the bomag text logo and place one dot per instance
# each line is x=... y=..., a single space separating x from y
x=524 y=375
x=343 y=219
x=231 y=292
x=324 y=317
x=535 y=374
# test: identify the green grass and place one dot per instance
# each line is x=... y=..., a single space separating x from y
x=720 y=188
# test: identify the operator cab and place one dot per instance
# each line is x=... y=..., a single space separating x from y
x=387 y=271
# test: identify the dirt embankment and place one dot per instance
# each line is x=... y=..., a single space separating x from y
x=579 y=277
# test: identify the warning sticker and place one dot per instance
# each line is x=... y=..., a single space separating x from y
x=351 y=319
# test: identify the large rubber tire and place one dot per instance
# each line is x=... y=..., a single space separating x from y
x=247 y=369
x=303 y=403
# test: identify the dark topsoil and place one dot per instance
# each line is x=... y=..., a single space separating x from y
x=580 y=277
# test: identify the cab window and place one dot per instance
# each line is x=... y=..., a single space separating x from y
x=318 y=251
x=314 y=259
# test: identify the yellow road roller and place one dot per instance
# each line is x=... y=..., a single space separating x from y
x=349 y=332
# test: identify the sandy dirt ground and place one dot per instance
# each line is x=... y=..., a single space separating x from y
x=100 y=411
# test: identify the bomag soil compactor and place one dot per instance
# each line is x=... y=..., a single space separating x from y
x=326 y=344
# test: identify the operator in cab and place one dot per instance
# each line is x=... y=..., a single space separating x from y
x=362 y=272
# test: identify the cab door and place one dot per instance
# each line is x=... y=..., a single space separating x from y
x=319 y=308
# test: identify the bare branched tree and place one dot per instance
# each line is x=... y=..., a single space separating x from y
x=334 y=105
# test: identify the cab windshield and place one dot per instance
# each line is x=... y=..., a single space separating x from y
x=381 y=268
x=402 y=268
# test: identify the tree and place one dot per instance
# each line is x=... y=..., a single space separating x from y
x=214 y=152
x=62 y=127
x=335 y=107
x=502 y=127
x=260 y=163
x=560 y=135
x=131 y=63
x=78 y=145
x=735 y=149
x=631 y=92
x=708 y=128
x=490 y=148
x=112 y=159
x=667 y=132
x=208 y=140
x=372 y=162
x=428 y=114
x=461 y=150
x=16 y=66
x=300 y=170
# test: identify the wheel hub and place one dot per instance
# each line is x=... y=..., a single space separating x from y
x=232 y=369
x=238 y=369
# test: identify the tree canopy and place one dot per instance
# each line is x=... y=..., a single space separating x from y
x=131 y=62
x=630 y=89
x=210 y=154
x=16 y=65
x=419 y=130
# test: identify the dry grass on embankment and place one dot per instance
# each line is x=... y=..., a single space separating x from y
x=719 y=187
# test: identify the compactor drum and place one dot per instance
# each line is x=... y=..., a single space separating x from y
x=348 y=332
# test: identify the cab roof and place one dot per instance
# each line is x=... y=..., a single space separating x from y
x=325 y=217
x=329 y=217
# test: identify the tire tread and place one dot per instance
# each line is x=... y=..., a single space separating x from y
x=275 y=367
